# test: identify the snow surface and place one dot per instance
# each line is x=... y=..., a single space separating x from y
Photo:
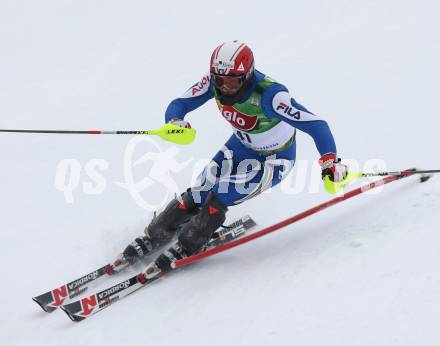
x=361 y=273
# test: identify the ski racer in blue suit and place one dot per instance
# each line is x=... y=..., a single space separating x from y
x=260 y=153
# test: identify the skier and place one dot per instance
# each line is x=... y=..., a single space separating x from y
x=264 y=118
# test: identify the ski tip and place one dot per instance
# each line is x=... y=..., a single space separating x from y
x=45 y=308
x=425 y=177
x=74 y=318
x=248 y=222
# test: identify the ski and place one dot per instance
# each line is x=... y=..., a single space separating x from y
x=88 y=306
x=52 y=300
x=55 y=298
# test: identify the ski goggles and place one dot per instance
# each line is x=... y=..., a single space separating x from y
x=230 y=82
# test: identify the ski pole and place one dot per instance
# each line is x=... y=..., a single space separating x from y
x=290 y=220
x=335 y=187
x=406 y=172
x=169 y=132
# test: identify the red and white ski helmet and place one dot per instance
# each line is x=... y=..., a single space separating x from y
x=232 y=59
x=232 y=71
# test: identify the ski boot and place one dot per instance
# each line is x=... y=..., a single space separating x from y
x=194 y=234
x=159 y=232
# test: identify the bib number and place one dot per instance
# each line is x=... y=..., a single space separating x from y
x=243 y=136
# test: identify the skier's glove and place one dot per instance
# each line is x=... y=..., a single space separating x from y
x=332 y=167
x=180 y=122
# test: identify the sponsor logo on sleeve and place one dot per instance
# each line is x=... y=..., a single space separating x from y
x=289 y=111
x=201 y=86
